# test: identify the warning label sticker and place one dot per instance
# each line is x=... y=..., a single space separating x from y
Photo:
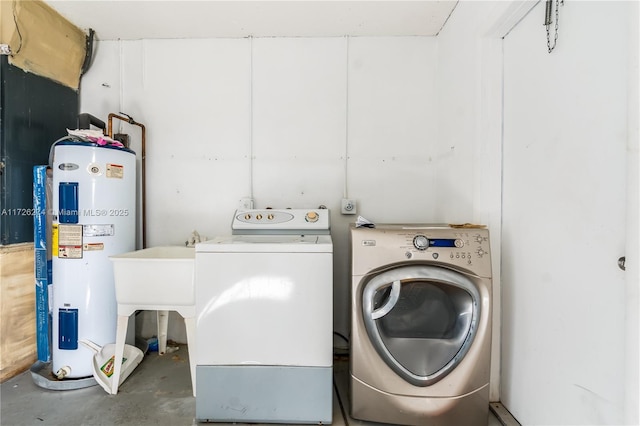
x=115 y=171
x=94 y=246
x=70 y=241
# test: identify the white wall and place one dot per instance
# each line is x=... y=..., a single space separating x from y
x=292 y=122
x=536 y=371
x=564 y=217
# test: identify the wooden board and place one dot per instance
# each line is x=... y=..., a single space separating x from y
x=17 y=310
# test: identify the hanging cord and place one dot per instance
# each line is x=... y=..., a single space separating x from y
x=346 y=127
x=15 y=21
x=251 y=117
x=547 y=23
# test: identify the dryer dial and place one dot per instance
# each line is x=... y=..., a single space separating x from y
x=421 y=242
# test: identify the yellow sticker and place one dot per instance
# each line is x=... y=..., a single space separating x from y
x=54 y=240
x=108 y=367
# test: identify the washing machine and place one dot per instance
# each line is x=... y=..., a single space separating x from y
x=421 y=324
x=264 y=308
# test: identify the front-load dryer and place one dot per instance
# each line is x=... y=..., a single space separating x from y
x=421 y=324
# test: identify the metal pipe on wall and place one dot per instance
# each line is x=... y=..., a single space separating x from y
x=130 y=120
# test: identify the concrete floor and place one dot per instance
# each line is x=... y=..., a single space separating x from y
x=157 y=393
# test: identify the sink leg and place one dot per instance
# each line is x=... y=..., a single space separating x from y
x=121 y=335
x=163 y=323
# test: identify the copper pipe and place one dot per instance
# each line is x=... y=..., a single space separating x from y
x=130 y=120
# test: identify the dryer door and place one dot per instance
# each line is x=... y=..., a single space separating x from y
x=421 y=320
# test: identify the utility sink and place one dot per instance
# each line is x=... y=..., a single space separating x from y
x=160 y=276
x=160 y=279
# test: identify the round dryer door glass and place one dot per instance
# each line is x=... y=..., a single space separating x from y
x=421 y=320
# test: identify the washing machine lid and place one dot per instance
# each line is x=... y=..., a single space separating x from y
x=267 y=244
x=421 y=319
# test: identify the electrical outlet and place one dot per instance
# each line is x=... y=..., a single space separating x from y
x=245 y=203
x=348 y=206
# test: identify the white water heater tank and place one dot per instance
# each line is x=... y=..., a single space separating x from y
x=94 y=199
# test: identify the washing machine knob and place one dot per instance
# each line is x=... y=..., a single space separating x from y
x=421 y=242
x=311 y=217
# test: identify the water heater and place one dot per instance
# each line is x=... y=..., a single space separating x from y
x=94 y=199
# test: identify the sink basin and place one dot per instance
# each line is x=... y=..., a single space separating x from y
x=161 y=276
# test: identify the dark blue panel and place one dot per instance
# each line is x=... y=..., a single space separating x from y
x=442 y=242
x=68 y=329
x=68 y=202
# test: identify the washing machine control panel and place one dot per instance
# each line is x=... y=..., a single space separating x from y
x=278 y=221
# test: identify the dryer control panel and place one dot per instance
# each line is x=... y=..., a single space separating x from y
x=461 y=247
x=464 y=248
x=421 y=242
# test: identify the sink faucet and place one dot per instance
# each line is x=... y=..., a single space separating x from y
x=195 y=238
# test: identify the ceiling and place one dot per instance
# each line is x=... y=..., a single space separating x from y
x=149 y=19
